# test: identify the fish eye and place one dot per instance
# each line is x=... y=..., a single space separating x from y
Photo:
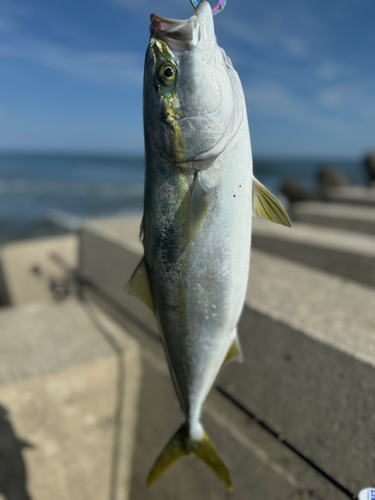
x=167 y=73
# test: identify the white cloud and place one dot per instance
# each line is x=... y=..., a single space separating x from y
x=13 y=8
x=357 y=99
x=105 y=67
x=329 y=70
x=6 y=25
x=331 y=98
x=167 y=8
x=10 y=12
x=268 y=98
x=294 y=46
x=305 y=126
x=99 y=66
x=267 y=34
x=265 y=98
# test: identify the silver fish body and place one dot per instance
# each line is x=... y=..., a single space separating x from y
x=198 y=286
x=197 y=212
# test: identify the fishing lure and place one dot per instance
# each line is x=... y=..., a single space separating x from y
x=220 y=6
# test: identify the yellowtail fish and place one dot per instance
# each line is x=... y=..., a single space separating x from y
x=200 y=195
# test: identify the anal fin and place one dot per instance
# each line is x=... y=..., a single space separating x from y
x=139 y=285
x=234 y=352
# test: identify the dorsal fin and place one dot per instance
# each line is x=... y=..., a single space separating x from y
x=139 y=285
x=266 y=205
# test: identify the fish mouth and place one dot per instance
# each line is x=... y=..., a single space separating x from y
x=179 y=35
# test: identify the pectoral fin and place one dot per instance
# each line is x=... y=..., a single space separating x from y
x=266 y=205
x=139 y=286
x=199 y=206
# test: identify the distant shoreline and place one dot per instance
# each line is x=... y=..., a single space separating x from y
x=35 y=185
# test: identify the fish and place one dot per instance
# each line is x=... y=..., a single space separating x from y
x=199 y=199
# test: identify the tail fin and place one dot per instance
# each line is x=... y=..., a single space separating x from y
x=181 y=444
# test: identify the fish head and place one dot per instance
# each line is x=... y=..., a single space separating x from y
x=191 y=91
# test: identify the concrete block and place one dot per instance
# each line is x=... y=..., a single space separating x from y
x=347 y=217
x=308 y=345
x=19 y=284
x=109 y=253
x=90 y=425
x=260 y=465
x=69 y=385
x=351 y=195
x=348 y=254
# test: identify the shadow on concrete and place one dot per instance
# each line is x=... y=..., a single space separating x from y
x=13 y=475
x=120 y=389
x=71 y=274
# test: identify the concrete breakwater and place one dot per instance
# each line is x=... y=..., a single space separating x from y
x=88 y=402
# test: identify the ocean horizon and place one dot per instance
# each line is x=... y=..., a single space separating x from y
x=35 y=186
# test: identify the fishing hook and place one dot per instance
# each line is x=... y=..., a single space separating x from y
x=220 y=6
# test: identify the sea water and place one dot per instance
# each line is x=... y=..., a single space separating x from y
x=34 y=187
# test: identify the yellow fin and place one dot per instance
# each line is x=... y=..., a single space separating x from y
x=181 y=444
x=266 y=205
x=175 y=448
x=199 y=207
x=139 y=286
x=234 y=352
x=206 y=451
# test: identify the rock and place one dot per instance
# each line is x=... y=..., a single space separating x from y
x=370 y=167
x=295 y=193
x=328 y=176
x=360 y=219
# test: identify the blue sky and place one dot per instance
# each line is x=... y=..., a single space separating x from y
x=71 y=73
